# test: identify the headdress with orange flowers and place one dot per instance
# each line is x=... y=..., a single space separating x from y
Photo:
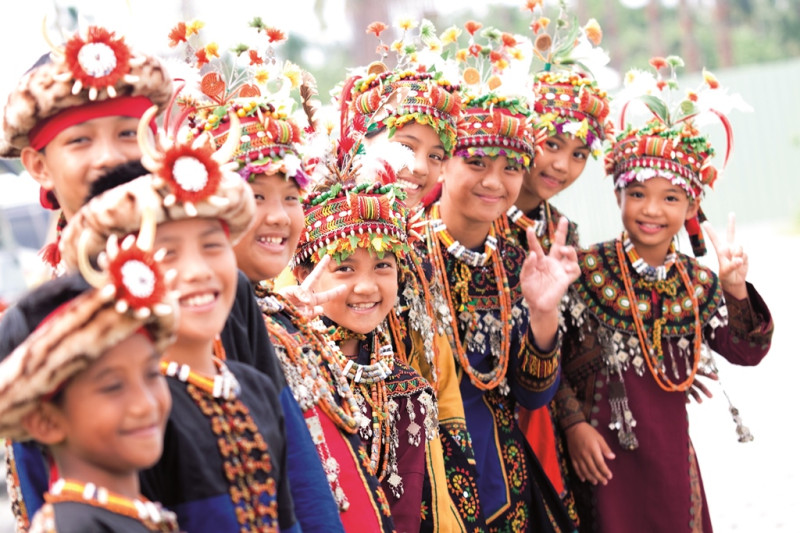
x=495 y=116
x=670 y=144
x=414 y=90
x=77 y=318
x=258 y=88
x=568 y=100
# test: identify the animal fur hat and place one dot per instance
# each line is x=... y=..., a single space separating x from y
x=92 y=75
x=63 y=326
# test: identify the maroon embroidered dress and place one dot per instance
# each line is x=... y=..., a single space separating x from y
x=656 y=484
x=314 y=374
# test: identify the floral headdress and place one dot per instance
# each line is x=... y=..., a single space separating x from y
x=670 y=144
x=413 y=91
x=93 y=74
x=252 y=83
x=187 y=180
x=495 y=117
x=126 y=295
x=356 y=202
x=567 y=98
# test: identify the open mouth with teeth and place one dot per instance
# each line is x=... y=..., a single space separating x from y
x=365 y=306
x=648 y=227
x=271 y=240
x=408 y=185
x=198 y=300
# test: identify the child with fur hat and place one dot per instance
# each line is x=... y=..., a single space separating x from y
x=83 y=381
x=73 y=116
x=224 y=466
x=641 y=316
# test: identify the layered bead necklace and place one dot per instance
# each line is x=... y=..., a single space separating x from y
x=313 y=369
x=149 y=514
x=243 y=450
x=540 y=224
x=437 y=236
x=370 y=381
x=657 y=278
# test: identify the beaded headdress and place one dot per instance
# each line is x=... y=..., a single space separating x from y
x=495 y=118
x=188 y=179
x=257 y=88
x=94 y=74
x=670 y=144
x=75 y=319
x=568 y=100
x=412 y=91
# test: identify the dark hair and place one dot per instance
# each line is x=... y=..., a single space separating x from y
x=119 y=175
x=20 y=320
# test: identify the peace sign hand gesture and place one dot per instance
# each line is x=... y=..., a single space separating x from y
x=732 y=259
x=305 y=298
x=545 y=279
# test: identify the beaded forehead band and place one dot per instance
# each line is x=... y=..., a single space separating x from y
x=346 y=217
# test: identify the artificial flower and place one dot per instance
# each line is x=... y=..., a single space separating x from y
x=593 y=32
x=406 y=24
x=471 y=26
x=377 y=28
x=255 y=59
x=194 y=27
x=275 y=35
x=450 y=35
x=177 y=34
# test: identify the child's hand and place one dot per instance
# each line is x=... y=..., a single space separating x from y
x=303 y=296
x=589 y=451
x=546 y=278
x=732 y=260
x=700 y=387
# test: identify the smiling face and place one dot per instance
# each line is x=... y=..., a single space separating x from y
x=555 y=168
x=477 y=190
x=201 y=254
x=653 y=212
x=429 y=156
x=267 y=247
x=80 y=154
x=371 y=290
x=112 y=416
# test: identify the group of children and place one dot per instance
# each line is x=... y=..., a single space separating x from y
x=263 y=320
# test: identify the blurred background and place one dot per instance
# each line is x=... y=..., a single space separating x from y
x=753 y=48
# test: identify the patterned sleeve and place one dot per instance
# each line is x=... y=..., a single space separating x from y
x=747 y=336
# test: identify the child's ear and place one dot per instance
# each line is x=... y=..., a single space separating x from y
x=300 y=272
x=45 y=424
x=34 y=163
x=694 y=207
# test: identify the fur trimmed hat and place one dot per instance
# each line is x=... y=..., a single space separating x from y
x=63 y=326
x=90 y=76
x=187 y=181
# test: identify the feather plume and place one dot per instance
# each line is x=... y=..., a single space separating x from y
x=308 y=93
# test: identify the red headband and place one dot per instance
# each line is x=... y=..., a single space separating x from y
x=124 y=106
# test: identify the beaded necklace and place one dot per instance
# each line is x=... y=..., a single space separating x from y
x=150 y=514
x=458 y=250
x=654 y=353
x=313 y=371
x=541 y=223
x=481 y=380
x=370 y=382
x=246 y=461
x=649 y=273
